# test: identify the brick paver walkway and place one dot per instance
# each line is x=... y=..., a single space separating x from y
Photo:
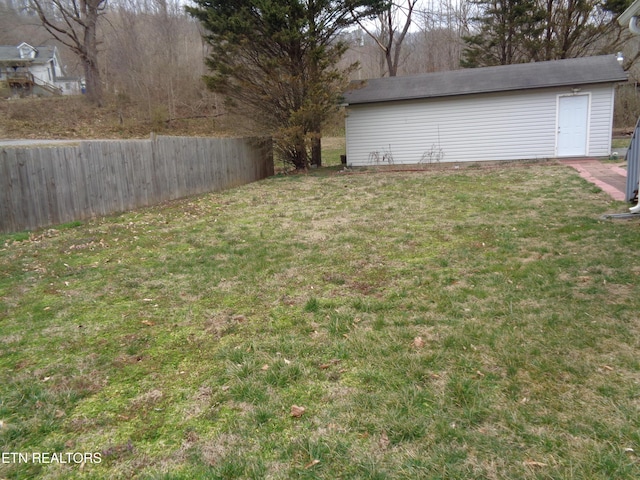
x=611 y=178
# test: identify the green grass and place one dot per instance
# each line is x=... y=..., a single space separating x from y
x=620 y=142
x=333 y=147
x=454 y=324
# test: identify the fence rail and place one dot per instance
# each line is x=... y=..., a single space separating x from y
x=41 y=187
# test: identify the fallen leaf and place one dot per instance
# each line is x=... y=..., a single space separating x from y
x=147 y=323
x=312 y=463
x=324 y=366
x=265 y=367
x=532 y=463
x=418 y=342
x=608 y=368
x=383 y=443
x=297 y=411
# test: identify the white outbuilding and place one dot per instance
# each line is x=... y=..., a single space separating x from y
x=560 y=108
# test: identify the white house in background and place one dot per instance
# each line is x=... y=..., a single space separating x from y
x=35 y=71
x=561 y=108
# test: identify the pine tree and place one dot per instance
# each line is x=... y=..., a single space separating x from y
x=509 y=33
x=276 y=59
x=515 y=31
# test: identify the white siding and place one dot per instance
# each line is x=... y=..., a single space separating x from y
x=41 y=73
x=497 y=126
x=601 y=121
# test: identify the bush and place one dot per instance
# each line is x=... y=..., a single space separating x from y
x=5 y=91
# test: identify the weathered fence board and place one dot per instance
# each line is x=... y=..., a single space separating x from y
x=40 y=187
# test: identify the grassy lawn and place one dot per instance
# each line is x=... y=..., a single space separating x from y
x=620 y=142
x=332 y=148
x=451 y=324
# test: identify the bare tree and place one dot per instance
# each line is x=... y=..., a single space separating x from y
x=153 y=56
x=443 y=24
x=17 y=24
x=74 y=23
x=392 y=27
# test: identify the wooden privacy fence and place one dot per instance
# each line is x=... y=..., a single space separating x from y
x=40 y=187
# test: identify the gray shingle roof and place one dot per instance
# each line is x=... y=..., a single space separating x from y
x=523 y=76
x=9 y=53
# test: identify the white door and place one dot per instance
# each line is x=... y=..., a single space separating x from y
x=573 y=114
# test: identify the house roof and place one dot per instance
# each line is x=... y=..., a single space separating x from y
x=523 y=76
x=11 y=54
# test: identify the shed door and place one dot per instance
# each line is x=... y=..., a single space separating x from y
x=573 y=114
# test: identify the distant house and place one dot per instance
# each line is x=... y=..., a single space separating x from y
x=561 y=108
x=31 y=70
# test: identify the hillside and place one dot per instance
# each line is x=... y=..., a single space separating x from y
x=73 y=117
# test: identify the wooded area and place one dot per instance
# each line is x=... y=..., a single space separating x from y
x=151 y=54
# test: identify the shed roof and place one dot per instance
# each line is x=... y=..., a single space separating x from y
x=522 y=76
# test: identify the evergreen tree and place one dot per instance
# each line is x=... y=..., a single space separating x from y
x=515 y=31
x=277 y=59
x=508 y=33
x=617 y=6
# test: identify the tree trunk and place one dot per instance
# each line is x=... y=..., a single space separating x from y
x=301 y=159
x=90 y=63
x=316 y=149
x=93 y=82
x=74 y=24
